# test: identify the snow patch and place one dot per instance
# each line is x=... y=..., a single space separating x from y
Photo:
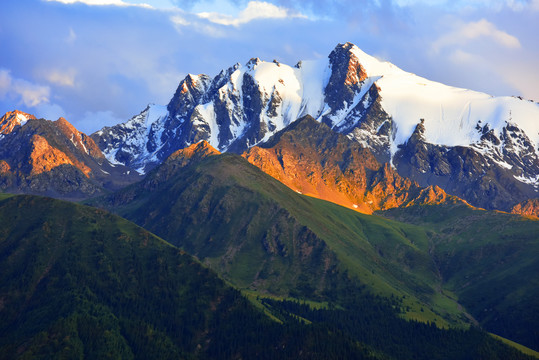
x=532 y=180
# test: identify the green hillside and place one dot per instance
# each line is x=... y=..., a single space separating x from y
x=490 y=261
x=78 y=282
x=260 y=235
x=263 y=237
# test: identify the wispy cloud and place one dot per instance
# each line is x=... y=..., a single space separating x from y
x=460 y=56
x=476 y=30
x=183 y=21
x=452 y=5
x=102 y=2
x=32 y=96
x=70 y=39
x=255 y=10
x=23 y=91
x=60 y=77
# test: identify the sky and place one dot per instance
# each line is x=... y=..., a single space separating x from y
x=100 y=62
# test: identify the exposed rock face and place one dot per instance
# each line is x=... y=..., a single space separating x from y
x=347 y=77
x=11 y=119
x=44 y=158
x=529 y=207
x=246 y=105
x=481 y=148
x=484 y=179
x=311 y=159
x=53 y=158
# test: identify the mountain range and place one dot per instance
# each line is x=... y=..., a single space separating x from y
x=481 y=148
x=262 y=236
x=350 y=203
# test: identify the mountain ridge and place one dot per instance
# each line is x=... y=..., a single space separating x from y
x=310 y=158
x=372 y=102
x=53 y=158
x=264 y=237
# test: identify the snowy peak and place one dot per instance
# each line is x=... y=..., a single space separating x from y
x=135 y=141
x=188 y=94
x=11 y=119
x=347 y=77
x=390 y=111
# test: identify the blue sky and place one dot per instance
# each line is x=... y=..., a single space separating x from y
x=99 y=62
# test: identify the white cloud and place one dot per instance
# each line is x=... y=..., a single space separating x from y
x=60 y=77
x=102 y=2
x=180 y=21
x=475 y=30
x=32 y=97
x=5 y=83
x=24 y=92
x=460 y=56
x=255 y=10
x=30 y=94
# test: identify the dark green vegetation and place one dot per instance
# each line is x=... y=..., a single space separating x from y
x=396 y=338
x=261 y=236
x=490 y=261
x=78 y=282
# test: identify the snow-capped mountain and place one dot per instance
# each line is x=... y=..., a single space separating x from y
x=462 y=139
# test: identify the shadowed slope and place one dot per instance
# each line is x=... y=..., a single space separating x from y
x=489 y=260
x=78 y=282
x=261 y=235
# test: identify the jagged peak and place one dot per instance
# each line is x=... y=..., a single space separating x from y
x=372 y=65
x=346 y=66
x=253 y=62
x=63 y=122
x=80 y=140
x=14 y=118
x=68 y=129
x=191 y=82
x=18 y=113
x=199 y=150
x=529 y=207
x=419 y=133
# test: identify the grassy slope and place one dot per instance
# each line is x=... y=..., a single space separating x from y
x=489 y=261
x=79 y=282
x=251 y=229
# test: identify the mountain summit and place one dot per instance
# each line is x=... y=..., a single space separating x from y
x=476 y=146
x=53 y=158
